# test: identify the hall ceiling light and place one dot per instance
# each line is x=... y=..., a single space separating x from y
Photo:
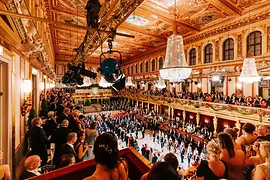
x=161 y=84
x=175 y=67
x=129 y=82
x=104 y=83
x=249 y=72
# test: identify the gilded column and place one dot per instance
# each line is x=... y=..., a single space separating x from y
x=198 y=119
x=239 y=46
x=216 y=51
x=199 y=54
x=238 y=126
x=215 y=122
x=172 y=112
x=268 y=39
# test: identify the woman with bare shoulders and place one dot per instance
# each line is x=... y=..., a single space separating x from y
x=262 y=171
x=248 y=136
x=90 y=137
x=234 y=159
x=109 y=166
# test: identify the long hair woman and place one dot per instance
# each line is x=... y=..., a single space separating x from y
x=109 y=166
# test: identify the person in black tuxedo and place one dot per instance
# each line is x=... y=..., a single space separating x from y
x=50 y=125
x=64 y=115
x=68 y=148
x=73 y=120
x=39 y=140
x=31 y=165
x=60 y=138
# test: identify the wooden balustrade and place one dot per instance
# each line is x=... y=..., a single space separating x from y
x=137 y=166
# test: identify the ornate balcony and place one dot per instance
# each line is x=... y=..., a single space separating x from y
x=226 y=111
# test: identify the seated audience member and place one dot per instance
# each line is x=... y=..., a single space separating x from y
x=67 y=160
x=248 y=136
x=80 y=147
x=4 y=170
x=233 y=133
x=31 y=165
x=262 y=171
x=68 y=148
x=264 y=132
x=234 y=159
x=162 y=171
x=109 y=166
x=169 y=158
x=214 y=168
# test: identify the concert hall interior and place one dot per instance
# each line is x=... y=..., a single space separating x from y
x=135 y=89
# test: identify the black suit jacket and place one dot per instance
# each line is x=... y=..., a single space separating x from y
x=72 y=123
x=67 y=149
x=61 y=118
x=26 y=175
x=38 y=140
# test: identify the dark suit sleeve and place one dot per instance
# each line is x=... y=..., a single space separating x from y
x=42 y=136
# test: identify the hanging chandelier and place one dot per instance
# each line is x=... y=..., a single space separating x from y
x=129 y=82
x=161 y=84
x=104 y=83
x=175 y=67
x=249 y=72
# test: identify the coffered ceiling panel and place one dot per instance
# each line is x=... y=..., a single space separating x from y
x=149 y=21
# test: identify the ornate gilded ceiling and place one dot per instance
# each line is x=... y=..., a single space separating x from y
x=149 y=21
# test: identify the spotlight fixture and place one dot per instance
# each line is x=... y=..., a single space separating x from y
x=110 y=68
x=195 y=82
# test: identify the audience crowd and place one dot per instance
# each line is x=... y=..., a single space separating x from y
x=217 y=97
x=74 y=137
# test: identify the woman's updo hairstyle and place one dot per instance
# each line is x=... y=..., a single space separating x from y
x=106 y=150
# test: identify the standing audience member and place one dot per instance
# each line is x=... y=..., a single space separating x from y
x=109 y=165
x=233 y=133
x=214 y=168
x=264 y=132
x=64 y=116
x=248 y=136
x=4 y=170
x=60 y=138
x=262 y=171
x=73 y=121
x=39 y=140
x=90 y=137
x=67 y=160
x=80 y=147
x=68 y=148
x=80 y=123
x=31 y=165
x=234 y=159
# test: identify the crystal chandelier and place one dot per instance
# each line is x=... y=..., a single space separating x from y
x=175 y=66
x=161 y=84
x=129 y=82
x=249 y=72
x=104 y=83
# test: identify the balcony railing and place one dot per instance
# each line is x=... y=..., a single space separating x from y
x=261 y=115
x=137 y=166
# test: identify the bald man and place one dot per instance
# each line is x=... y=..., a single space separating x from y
x=31 y=165
x=263 y=132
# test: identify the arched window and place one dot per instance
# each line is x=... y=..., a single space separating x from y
x=136 y=68
x=254 y=43
x=160 y=62
x=154 y=65
x=141 y=68
x=208 y=54
x=228 y=49
x=192 y=57
x=131 y=70
x=146 y=66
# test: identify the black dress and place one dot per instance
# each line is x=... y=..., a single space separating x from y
x=204 y=171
